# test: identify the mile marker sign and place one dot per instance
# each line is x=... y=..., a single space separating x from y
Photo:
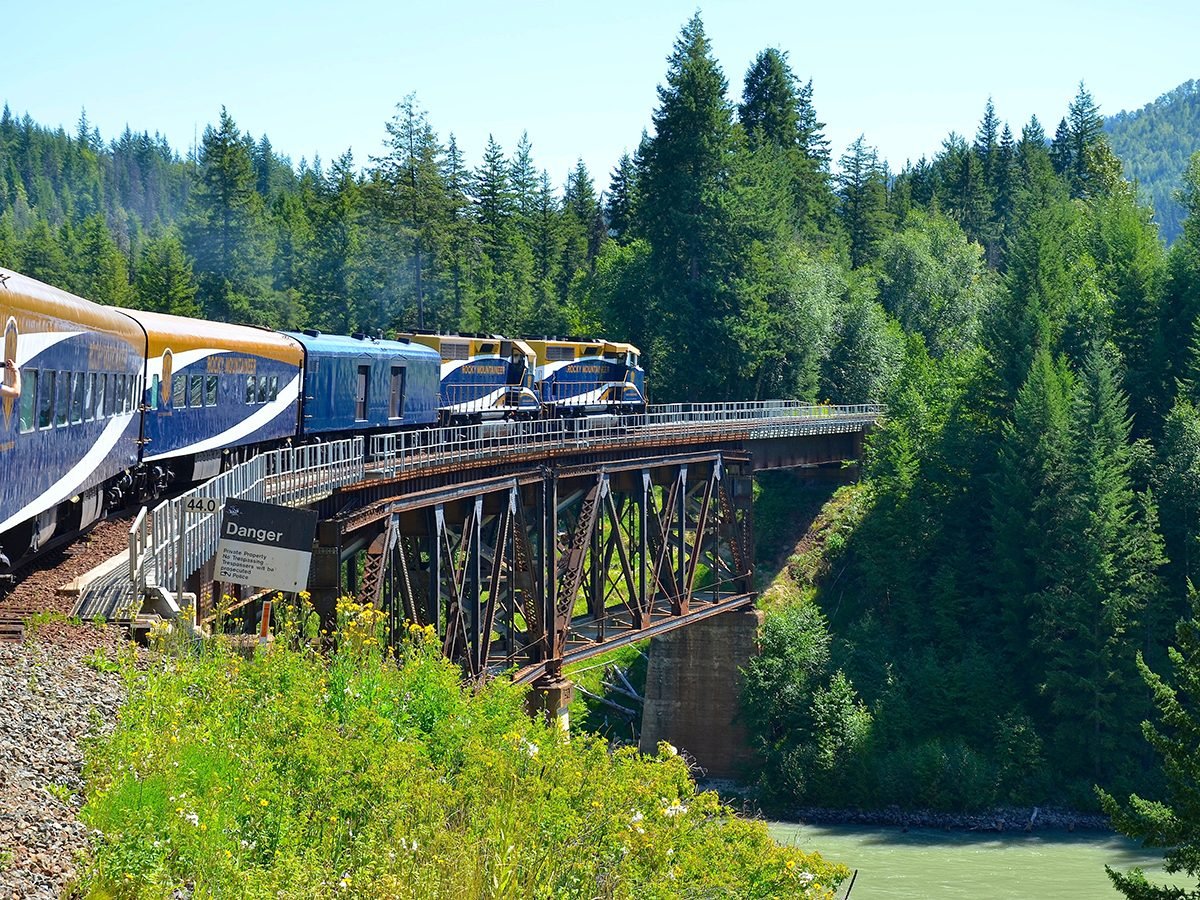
x=265 y=546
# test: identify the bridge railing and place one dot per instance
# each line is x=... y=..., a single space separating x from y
x=178 y=542
x=401 y=452
x=173 y=543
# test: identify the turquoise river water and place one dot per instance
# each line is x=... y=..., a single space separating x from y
x=930 y=864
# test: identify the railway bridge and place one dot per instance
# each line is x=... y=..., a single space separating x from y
x=526 y=545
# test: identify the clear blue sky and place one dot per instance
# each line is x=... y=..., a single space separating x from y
x=319 y=78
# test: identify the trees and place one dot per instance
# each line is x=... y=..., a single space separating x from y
x=1172 y=824
x=862 y=196
x=224 y=231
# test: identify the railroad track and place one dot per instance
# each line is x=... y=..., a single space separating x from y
x=35 y=587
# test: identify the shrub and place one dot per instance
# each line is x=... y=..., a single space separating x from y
x=372 y=774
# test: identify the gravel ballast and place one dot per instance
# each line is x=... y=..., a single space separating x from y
x=47 y=694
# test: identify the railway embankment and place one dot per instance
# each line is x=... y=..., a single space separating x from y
x=56 y=688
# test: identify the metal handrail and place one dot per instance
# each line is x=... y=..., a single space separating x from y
x=169 y=545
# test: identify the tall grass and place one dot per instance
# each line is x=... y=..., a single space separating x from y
x=361 y=773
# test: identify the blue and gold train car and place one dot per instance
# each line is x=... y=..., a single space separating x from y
x=483 y=377
x=69 y=436
x=360 y=384
x=581 y=377
x=212 y=389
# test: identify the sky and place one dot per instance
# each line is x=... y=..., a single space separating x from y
x=579 y=78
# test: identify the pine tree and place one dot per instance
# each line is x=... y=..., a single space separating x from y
x=163 y=280
x=686 y=166
x=506 y=265
x=1062 y=151
x=225 y=231
x=862 y=192
x=1172 y=824
x=1100 y=570
x=621 y=200
x=102 y=273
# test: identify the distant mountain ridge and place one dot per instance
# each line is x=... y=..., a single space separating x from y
x=1155 y=143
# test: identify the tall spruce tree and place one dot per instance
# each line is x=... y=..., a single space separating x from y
x=686 y=167
x=862 y=196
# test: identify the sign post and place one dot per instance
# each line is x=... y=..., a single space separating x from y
x=265 y=546
x=206 y=506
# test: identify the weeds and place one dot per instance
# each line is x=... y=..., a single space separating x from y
x=366 y=773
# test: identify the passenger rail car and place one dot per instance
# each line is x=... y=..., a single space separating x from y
x=213 y=390
x=109 y=406
x=73 y=431
x=359 y=384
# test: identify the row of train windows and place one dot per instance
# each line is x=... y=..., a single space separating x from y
x=194 y=391
x=50 y=398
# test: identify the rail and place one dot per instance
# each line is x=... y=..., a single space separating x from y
x=178 y=542
x=404 y=452
x=172 y=543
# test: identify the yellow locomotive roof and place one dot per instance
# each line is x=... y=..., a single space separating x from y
x=179 y=333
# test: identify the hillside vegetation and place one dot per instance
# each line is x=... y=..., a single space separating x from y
x=1155 y=143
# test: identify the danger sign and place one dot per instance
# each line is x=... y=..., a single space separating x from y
x=265 y=546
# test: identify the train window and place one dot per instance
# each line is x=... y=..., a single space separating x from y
x=274 y=387
x=62 y=398
x=396 y=399
x=210 y=390
x=360 y=393
x=109 y=380
x=196 y=391
x=77 y=380
x=29 y=386
x=135 y=391
x=46 y=400
x=89 y=391
x=119 y=396
x=250 y=391
x=178 y=391
x=264 y=388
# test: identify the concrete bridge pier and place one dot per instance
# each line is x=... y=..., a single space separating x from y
x=693 y=689
x=549 y=697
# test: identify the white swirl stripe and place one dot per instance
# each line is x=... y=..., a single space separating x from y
x=288 y=395
x=74 y=479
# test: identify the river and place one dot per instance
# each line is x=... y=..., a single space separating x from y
x=933 y=864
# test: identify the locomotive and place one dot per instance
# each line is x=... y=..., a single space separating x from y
x=108 y=407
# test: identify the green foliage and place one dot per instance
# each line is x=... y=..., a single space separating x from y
x=1154 y=143
x=1173 y=823
x=359 y=775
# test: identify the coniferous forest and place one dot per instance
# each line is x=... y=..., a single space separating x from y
x=1028 y=522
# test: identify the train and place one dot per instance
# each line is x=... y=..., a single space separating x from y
x=104 y=407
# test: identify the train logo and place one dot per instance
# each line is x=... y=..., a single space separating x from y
x=10 y=352
x=167 y=362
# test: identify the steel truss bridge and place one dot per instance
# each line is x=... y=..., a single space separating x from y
x=526 y=545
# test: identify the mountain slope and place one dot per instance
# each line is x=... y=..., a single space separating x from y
x=1156 y=142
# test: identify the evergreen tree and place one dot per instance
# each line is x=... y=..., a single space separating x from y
x=504 y=276
x=102 y=274
x=621 y=200
x=1172 y=824
x=164 y=281
x=224 y=231
x=686 y=166
x=862 y=195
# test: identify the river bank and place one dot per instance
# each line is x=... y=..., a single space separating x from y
x=999 y=820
